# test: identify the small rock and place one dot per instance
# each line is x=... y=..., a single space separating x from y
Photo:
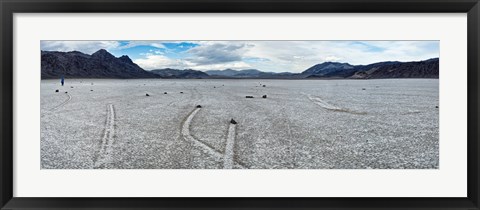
x=264 y=96
x=214 y=87
x=248 y=96
x=71 y=86
x=165 y=93
x=233 y=121
x=264 y=86
x=147 y=94
x=436 y=107
x=199 y=106
x=363 y=89
x=91 y=90
x=181 y=92
x=56 y=91
x=66 y=92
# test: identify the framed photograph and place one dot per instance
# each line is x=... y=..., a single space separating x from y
x=239 y=104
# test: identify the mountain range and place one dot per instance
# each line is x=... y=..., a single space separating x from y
x=102 y=64
x=184 y=74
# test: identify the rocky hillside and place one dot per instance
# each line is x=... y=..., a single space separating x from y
x=100 y=64
x=391 y=69
x=328 y=69
x=421 y=69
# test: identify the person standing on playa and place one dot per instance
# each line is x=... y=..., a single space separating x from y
x=62 y=80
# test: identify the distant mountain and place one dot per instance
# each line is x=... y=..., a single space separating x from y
x=390 y=69
x=185 y=74
x=233 y=73
x=246 y=73
x=328 y=68
x=100 y=64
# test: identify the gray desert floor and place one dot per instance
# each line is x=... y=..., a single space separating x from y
x=302 y=124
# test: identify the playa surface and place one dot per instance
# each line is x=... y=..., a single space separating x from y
x=301 y=124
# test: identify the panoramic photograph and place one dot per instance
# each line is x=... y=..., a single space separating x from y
x=187 y=104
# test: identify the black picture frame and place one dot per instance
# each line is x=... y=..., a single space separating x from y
x=9 y=7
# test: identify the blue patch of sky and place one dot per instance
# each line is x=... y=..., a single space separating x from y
x=174 y=50
x=432 y=46
x=179 y=46
x=123 y=43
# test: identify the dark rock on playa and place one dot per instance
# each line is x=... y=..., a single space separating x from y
x=248 y=96
x=71 y=86
x=91 y=90
x=66 y=92
x=165 y=93
x=436 y=107
x=264 y=96
x=233 y=121
x=198 y=106
x=147 y=94
x=264 y=86
x=56 y=91
x=181 y=92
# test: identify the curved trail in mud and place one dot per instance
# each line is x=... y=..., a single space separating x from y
x=230 y=163
x=107 y=139
x=187 y=136
x=63 y=103
x=318 y=101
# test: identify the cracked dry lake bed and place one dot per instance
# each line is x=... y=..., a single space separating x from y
x=301 y=124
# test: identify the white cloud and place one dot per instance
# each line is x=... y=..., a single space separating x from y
x=130 y=44
x=296 y=56
x=238 y=65
x=217 y=52
x=160 y=62
x=88 y=47
x=293 y=56
x=332 y=58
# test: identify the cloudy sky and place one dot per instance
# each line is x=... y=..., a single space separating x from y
x=274 y=56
